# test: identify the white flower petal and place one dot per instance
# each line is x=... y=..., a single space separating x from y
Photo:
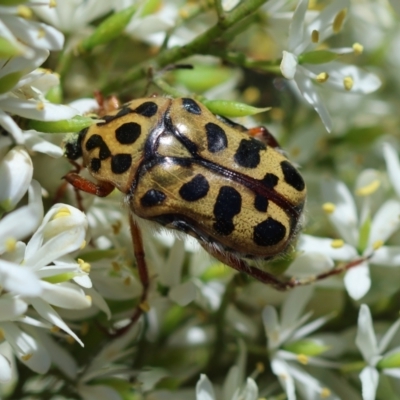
x=369 y=380
x=388 y=336
x=16 y=170
x=41 y=79
x=11 y=307
x=183 y=294
x=99 y=302
x=36 y=143
x=170 y=271
x=366 y=339
x=96 y=392
x=250 y=390
x=11 y=127
x=297 y=27
x=204 y=389
x=280 y=369
x=288 y=65
x=5 y=369
x=387 y=256
x=308 y=264
x=358 y=281
x=393 y=166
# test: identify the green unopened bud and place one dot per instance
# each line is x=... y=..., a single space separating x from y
x=317 y=57
x=60 y=277
x=7 y=82
x=8 y=49
x=306 y=347
x=392 y=361
x=55 y=95
x=149 y=7
x=108 y=30
x=12 y=2
x=75 y=124
x=216 y=271
x=232 y=108
x=364 y=235
x=97 y=255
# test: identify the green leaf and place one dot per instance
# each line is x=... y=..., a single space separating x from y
x=307 y=347
x=317 y=57
x=108 y=30
x=75 y=124
x=232 y=109
x=7 y=49
x=7 y=82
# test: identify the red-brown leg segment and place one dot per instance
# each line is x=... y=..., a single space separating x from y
x=102 y=189
x=269 y=279
x=264 y=135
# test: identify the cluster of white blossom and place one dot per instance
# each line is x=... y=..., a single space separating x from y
x=68 y=284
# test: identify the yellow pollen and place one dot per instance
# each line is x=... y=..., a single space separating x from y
x=369 y=189
x=260 y=367
x=348 y=82
x=116 y=227
x=183 y=14
x=322 y=77
x=116 y=267
x=325 y=393
x=144 y=306
x=127 y=281
x=89 y=299
x=83 y=245
x=329 y=208
x=377 y=244
x=337 y=243
x=70 y=339
x=358 y=48
x=40 y=106
x=85 y=267
x=24 y=12
x=54 y=329
x=61 y=213
x=11 y=244
x=52 y=3
x=252 y=94
x=315 y=36
x=84 y=328
x=26 y=357
x=1 y=335
x=302 y=359
x=338 y=21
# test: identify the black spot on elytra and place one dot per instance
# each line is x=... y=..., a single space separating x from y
x=128 y=133
x=269 y=232
x=152 y=198
x=195 y=189
x=97 y=141
x=292 y=176
x=124 y=110
x=191 y=106
x=95 y=164
x=270 y=180
x=227 y=205
x=261 y=203
x=121 y=163
x=147 y=109
x=248 y=153
x=232 y=124
x=216 y=138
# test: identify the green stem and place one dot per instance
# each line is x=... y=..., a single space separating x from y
x=355 y=366
x=199 y=45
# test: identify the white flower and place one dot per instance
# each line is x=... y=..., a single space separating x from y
x=288 y=330
x=361 y=237
x=372 y=351
x=308 y=71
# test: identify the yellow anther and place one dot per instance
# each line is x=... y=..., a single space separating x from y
x=251 y=95
x=358 y=48
x=302 y=359
x=41 y=33
x=115 y=266
x=325 y=393
x=338 y=21
x=26 y=357
x=85 y=267
x=315 y=36
x=84 y=328
x=127 y=281
x=329 y=208
x=52 y=3
x=55 y=329
x=70 y=339
x=337 y=243
x=144 y=306
x=377 y=244
x=348 y=82
x=1 y=335
x=61 y=213
x=183 y=13
x=116 y=227
x=40 y=106
x=260 y=367
x=83 y=245
x=11 y=244
x=322 y=77
x=369 y=189
x=24 y=12
x=89 y=299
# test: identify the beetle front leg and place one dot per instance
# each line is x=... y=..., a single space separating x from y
x=264 y=135
x=101 y=189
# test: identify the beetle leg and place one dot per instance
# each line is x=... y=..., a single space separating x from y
x=102 y=189
x=264 y=135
